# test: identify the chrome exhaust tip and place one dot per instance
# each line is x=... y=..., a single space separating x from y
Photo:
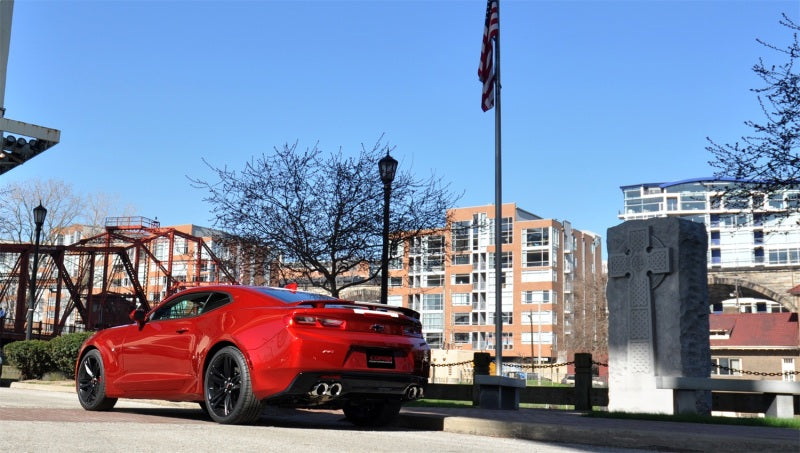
x=319 y=389
x=335 y=389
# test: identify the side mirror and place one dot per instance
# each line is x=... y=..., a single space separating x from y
x=137 y=316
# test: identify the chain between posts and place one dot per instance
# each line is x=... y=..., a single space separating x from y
x=562 y=364
x=755 y=373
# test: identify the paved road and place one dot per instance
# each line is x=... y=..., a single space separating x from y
x=44 y=421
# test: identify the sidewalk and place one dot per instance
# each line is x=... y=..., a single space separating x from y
x=549 y=425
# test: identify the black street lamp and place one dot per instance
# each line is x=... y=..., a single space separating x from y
x=39 y=212
x=387 y=167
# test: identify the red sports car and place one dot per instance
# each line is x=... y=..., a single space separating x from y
x=235 y=348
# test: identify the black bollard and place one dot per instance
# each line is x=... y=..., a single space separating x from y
x=480 y=366
x=583 y=381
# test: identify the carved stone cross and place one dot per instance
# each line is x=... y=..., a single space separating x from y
x=638 y=264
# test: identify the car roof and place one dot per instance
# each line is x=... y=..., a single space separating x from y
x=285 y=295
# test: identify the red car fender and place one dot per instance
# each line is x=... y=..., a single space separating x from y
x=111 y=365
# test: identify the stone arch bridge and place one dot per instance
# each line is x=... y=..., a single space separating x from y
x=771 y=283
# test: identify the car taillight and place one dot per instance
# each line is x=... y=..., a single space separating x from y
x=412 y=331
x=307 y=320
x=329 y=322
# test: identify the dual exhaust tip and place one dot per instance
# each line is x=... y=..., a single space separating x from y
x=414 y=392
x=321 y=389
x=334 y=389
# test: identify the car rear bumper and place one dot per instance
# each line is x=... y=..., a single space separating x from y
x=310 y=389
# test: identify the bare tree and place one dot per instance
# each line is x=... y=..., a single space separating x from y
x=768 y=159
x=64 y=207
x=19 y=199
x=590 y=316
x=317 y=218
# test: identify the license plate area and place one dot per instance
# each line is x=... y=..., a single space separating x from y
x=380 y=358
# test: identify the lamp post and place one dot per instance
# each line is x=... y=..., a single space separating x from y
x=39 y=212
x=387 y=166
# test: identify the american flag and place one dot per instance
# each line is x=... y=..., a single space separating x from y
x=486 y=68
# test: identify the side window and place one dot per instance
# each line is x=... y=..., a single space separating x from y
x=182 y=307
x=215 y=300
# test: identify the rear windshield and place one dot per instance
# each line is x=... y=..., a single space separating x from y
x=289 y=296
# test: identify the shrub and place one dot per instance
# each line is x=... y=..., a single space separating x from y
x=63 y=352
x=30 y=357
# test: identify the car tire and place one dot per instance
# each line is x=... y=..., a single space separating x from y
x=228 y=391
x=372 y=413
x=90 y=383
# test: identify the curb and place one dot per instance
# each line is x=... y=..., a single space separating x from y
x=54 y=386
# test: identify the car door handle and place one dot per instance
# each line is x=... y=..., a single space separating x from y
x=182 y=330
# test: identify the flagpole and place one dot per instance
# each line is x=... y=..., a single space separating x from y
x=498 y=210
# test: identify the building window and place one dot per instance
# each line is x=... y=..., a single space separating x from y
x=395 y=281
x=434 y=264
x=460 y=259
x=537 y=258
x=508 y=340
x=758 y=255
x=434 y=280
x=432 y=302
x=461 y=338
x=725 y=366
x=536 y=317
x=508 y=317
x=435 y=244
x=460 y=235
x=461 y=279
x=432 y=321
x=461 y=319
x=507 y=260
x=536 y=297
x=434 y=340
x=536 y=237
x=784 y=256
x=787 y=368
x=506 y=231
x=537 y=338
x=460 y=299
x=394 y=301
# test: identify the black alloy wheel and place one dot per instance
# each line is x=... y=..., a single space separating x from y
x=91 y=383
x=228 y=391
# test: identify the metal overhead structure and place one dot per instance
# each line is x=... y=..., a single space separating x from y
x=96 y=282
x=20 y=141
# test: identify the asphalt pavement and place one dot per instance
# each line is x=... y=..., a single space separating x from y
x=573 y=427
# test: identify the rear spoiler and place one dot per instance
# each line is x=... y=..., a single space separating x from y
x=364 y=305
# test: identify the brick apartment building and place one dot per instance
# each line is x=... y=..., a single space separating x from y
x=548 y=266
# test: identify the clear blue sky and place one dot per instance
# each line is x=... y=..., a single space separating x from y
x=596 y=94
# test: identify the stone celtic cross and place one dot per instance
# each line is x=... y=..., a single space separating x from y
x=638 y=264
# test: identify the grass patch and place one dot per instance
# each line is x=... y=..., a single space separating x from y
x=466 y=404
x=438 y=403
x=790 y=423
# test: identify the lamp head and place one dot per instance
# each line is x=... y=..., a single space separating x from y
x=387 y=166
x=39 y=213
